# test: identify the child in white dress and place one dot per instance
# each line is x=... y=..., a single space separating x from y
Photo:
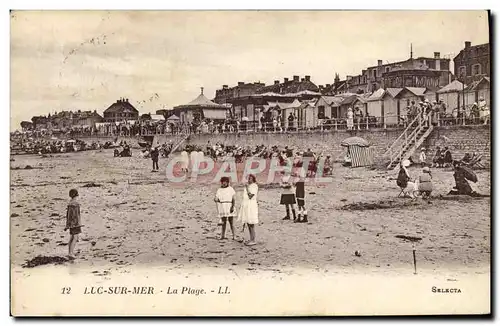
x=249 y=211
x=225 y=205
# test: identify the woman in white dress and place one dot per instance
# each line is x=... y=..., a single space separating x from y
x=249 y=211
x=350 y=119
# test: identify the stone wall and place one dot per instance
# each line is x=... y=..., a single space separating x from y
x=460 y=139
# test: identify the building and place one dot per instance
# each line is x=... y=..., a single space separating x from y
x=201 y=108
x=472 y=63
x=389 y=104
x=290 y=86
x=253 y=107
x=87 y=118
x=121 y=110
x=40 y=122
x=225 y=94
x=430 y=72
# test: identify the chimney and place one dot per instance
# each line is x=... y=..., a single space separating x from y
x=286 y=80
x=308 y=78
x=295 y=78
x=224 y=86
x=379 y=62
x=467 y=44
x=241 y=83
x=302 y=79
x=437 y=55
x=126 y=100
x=276 y=82
x=320 y=86
x=328 y=85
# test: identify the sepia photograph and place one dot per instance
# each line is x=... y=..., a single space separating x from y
x=250 y=163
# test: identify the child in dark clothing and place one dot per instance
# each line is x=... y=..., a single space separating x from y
x=73 y=222
x=300 y=195
x=288 y=196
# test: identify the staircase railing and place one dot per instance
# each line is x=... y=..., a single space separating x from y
x=398 y=147
x=179 y=143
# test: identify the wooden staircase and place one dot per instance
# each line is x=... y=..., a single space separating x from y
x=407 y=143
x=179 y=143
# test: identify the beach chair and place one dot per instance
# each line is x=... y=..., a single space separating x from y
x=474 y=162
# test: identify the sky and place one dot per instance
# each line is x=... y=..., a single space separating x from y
x=86 y=60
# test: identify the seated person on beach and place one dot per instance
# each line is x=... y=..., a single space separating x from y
x=327 y=168
x=437 y=160
x=425 y=182
x=467 y=158
x=448 y=159
x=461 y=175
x=404 y=182
x=347 y=158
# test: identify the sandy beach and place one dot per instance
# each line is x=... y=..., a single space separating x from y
x=136 y=217
x=136 y=224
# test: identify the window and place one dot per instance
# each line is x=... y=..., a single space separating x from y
x=321 y=112
x=462 y=71
x=374 y=73
x=476 y=69
x=387 y=69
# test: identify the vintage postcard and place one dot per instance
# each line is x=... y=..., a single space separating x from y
x=250 y=163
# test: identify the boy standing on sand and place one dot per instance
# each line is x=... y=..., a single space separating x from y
x=73 y=222
x=300 y=194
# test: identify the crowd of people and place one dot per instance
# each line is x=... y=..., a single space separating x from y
x=422 y=185
x=53 y=146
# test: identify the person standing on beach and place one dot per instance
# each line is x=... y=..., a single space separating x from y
x=350 y=119
x=155 y=153
x=300 y=194
x=249 y=211
x=224 y=197
x=288 y=196
x=73 y=222
x=422 y=157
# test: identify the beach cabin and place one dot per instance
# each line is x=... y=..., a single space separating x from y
x=358 y=151
x=407 y=95
x=306 y=115
x=361 y=101
x=374 y=103
x=478 y=89
x=390 y=105
x=328 y=107
x=450 y=94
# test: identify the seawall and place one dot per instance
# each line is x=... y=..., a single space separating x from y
x=460 y=140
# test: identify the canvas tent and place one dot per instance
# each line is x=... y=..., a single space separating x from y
x=359 y=151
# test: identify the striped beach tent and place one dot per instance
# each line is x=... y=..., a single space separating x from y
x=359 y=150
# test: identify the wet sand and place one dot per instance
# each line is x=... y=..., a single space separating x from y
x=134 y=219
